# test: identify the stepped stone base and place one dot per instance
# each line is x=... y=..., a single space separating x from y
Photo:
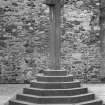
x=55 y=87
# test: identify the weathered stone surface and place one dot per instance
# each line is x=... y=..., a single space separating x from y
x=55 y=93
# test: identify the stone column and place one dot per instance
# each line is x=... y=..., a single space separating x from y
x=54 y=36
x=102 y=37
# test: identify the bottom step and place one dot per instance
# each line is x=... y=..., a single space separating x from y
x=93 y=102
x=17 y=102
x=55 y=99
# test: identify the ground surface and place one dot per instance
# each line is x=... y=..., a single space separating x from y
x=7 y=91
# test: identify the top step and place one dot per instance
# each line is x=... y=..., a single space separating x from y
x=55 y=72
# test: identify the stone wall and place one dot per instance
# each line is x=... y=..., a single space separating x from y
x=24 y=39
x=81 y=44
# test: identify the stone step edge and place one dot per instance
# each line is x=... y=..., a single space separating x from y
x=56 y=89
x=27 y=103
x=56 y=82
x=91 y=101
x=54 y=70
x=54 y=76
x=56 y=96
x=21 y=102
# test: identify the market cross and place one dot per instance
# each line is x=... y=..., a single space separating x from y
x=55 y=86
x=54 y=36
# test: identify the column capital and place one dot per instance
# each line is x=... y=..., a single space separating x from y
x=54 y=2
